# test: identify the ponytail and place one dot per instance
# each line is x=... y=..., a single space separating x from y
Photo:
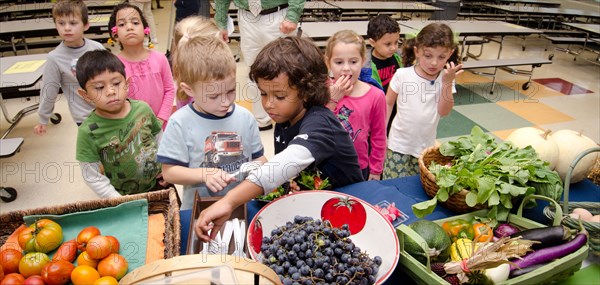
x=408 y=52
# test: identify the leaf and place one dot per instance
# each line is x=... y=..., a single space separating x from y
x=487 y=186
x=424 y=208
x=471 y=199
x=442 y=194
x=494 y=199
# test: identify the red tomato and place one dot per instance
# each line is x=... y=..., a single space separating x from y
x=344 y=210
x=98 y=247
x=85 y=235
x=9 y=260
x=57 y=272
x=114 y=265
x=42 y=236
x=67 y=251
x=32 y=263
x=256 y=235
x=318 y=182
x=13 y=279
x=34 y=280
x=114 y=244
x=1 y=273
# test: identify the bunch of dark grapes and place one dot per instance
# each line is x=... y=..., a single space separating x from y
x=309 y=251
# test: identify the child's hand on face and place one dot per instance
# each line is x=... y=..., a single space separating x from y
x=451 y=71
x=218 y=180
x=342 y=86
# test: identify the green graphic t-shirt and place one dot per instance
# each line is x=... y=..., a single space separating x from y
x=126 y=148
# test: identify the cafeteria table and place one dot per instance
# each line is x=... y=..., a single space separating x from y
x=409 y=190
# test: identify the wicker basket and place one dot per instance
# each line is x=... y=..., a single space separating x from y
x=594 y=208
x=455 y=202
x=163 y=201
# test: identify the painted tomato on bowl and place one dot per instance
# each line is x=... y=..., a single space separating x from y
x=345 y=210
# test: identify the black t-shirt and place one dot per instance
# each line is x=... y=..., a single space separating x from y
x=328 y=142
x=386 y=69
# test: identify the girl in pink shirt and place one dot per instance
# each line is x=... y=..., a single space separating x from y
x=149 y=74
x=359 y=106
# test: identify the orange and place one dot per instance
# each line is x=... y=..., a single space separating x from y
x=84 y=275
x=106 y=280
x=85 y=259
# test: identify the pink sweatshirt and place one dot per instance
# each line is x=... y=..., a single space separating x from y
x=364 y=117
x=151 y=81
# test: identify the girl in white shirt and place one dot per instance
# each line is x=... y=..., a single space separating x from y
x=423 y=93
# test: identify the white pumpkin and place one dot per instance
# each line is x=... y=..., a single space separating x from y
x=570 y=145
x=540 y=140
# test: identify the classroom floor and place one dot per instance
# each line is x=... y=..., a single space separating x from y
x=564 y=95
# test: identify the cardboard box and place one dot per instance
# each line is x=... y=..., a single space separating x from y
x=194 y=245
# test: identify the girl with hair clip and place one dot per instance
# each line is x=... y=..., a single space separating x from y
x=292 y=78
x=423 y=93
x=360 y=107
x=149 y=74
x=191 y=27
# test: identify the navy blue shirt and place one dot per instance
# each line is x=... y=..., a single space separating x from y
x=328 y=142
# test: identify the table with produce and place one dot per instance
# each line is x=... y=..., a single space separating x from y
x=467 y=219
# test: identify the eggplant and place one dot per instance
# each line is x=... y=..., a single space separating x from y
x=503 y=230
x=548 y=254
x=548 y=236
x=519 y=272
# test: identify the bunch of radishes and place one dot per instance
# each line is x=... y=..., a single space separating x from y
x=390 y=212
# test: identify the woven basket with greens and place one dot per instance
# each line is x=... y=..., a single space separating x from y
x=494 y=173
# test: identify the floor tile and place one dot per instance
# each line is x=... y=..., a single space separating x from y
x=469 y=77
x=492 y=117
x=562 y=86
x=501 y=92
x=535 y=90
x=455 y=124
x=536 y=113
x=465 y=96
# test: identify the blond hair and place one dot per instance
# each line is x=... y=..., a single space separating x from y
x=346 y=37
x=192 y=27
x=202 y=59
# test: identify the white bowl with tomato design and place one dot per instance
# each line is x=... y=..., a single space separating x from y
x=370 y=231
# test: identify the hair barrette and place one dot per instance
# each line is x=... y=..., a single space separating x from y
x=146 y=30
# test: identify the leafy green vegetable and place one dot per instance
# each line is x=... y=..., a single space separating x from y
x=280 y=191
x=494 y=173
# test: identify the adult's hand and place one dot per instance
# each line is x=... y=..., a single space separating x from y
x=287 y=26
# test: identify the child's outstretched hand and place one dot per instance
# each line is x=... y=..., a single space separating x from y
x=451 y=71
x=342 y=86
x=39 y=129
x=218 y=180
x=374 y=176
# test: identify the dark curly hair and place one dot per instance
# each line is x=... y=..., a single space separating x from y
x=113 y=18
x=381 y=25
x=302 y=61
x=432 y=35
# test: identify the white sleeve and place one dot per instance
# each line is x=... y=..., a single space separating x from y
x=281 y=168
x=98 y=182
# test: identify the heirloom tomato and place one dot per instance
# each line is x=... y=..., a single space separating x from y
x=114 y=265
x=98 y=247
x=42 y=236
x=34 y=280
x=84 y=275
x=9 y=260
x=66 y=251
x=57 y=272
x=12 y=279
x=85 y=235
x=32 y=263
